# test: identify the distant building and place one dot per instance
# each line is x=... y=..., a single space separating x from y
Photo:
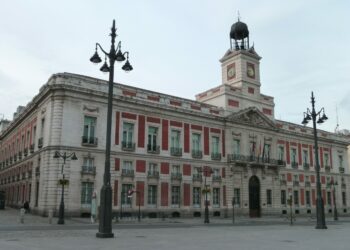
x=162 y=146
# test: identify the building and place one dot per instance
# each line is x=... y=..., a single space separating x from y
x=226 y=146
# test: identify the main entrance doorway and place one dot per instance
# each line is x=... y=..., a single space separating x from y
x=254 y=197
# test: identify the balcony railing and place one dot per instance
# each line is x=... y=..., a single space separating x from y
x=341 y=170
x=307 y=184
x=40 y=142
x=153 y=174
x=306 y=166
x=327 y=169
x=25 y=152
x=295 y=183
x=216 y=178
x=176 y=176
x=283 y=182
x=238 y=158
x=88 y=170
x=197 y=154
x=294 y=165
x=128 y=173
x=197 y=177
x=153 y=149
x=216 y=156
x=176 y=151
x=89 y=141
x=31 y=148
x=128 y=146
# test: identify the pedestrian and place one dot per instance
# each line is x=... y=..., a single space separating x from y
x=26 y=207
x=93 y=207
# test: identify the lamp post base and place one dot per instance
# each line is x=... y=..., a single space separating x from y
x=105 y=222
x=104 y=235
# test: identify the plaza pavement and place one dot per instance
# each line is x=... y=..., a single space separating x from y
x=264 y=233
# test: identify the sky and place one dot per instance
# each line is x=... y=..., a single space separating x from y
x=175 y=47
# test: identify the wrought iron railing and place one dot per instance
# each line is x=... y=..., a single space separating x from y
x=176 y=176
x=175 y=151
x=128 y=173
x=89 y=141
x=153 y=149
x=153 y=174
x=216 y=156
x=197 y=177
x=128 y=146
x=88 y=169
x=197 y=154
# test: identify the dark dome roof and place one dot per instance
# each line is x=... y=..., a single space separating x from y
x=239 y=31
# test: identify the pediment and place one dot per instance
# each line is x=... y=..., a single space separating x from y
x=252 y=117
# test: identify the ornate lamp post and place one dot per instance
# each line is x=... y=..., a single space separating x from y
x=206 y=171
x=63 y=182
x=115 y=54
x=332 y=185
x=312 y=115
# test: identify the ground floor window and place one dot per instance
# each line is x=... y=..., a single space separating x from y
x=343 y=195
x=175 y=196
x=269 y=197
x=216 y=197
x=86 y=192
x=237 y=197
x=296 y=198
x=283 y=197
x=307 y=197
x=196 y=197
x=329 y=199
x=126 y=201
x=152 y=195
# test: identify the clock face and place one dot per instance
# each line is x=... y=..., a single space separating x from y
x=250 y=70
x=231 y=71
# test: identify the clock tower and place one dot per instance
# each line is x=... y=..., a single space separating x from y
x=240 y=69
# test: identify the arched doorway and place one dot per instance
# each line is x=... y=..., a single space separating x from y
x=254 y=197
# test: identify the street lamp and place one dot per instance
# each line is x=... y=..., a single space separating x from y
x=63 y=182
x=206 y=171
x=312 y=115
x=332 y=185
x=115 y=54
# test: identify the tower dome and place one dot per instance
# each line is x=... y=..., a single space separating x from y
x=239 y=31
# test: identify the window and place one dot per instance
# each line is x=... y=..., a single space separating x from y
x=216 y=172
x=283 y=177
x=283 y=197
x=237 y=197
x=128 y=131
x=216 y=197
x=307 y=178
x=88 y=163
x=340 y=161
x=196 y=142
x=326 y=160
x=153 y=168
x=215 y=144
x=126 y=201
x=294 y=155
x=42 y=127
x=152 y=195
x=266 y=152
x=152 y=139
x=236 y=147
x=127 y=168
x=295 y=177
x=329 y=199
x=89 y=127
x=196 y=197
x=296 y=197
x=86 y=192
x=307 y=197
x=269 y=197
x=280 y=153
x=34 y=134
x=252 y=148
x=175 y=138
x=305 y=157
x=175 y=169
x=175 y=196
x=343 y=196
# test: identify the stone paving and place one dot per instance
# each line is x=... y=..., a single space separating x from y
x=173 y=234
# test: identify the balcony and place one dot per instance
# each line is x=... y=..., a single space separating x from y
x=153 y=149
x=31 y=148
x=176 y=176
x=341 y=170
x=153 y=174
x=216 y=156
x=294 y=165
x=128 y=173
x=197 y=154
x=25 y=152
x=283 y=182
x=197 y=177
x=88 y=170
x=306 y=166
x=89 y=141
x=307 y=184
x=281 y=163
x=176 y=151
x=296 y=183
x=128 y=146
x=216 y=178
x=40 y=142
x=327 y=169
x=254 y=160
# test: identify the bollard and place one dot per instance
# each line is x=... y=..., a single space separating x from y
x=50 y=216
x=21 y=215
